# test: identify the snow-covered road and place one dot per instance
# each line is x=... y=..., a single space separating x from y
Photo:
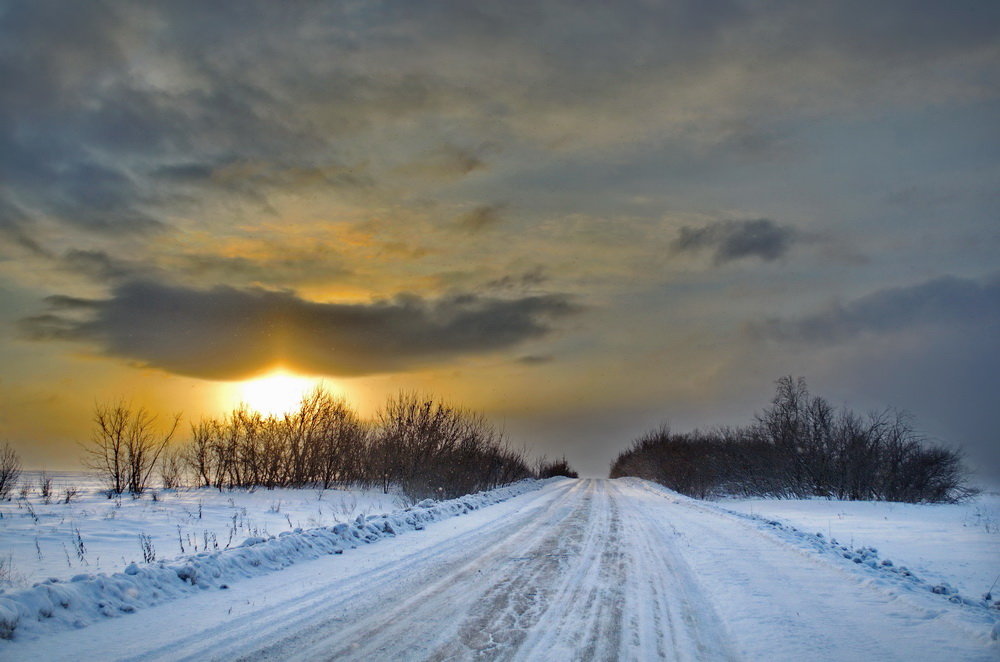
x=578 y=570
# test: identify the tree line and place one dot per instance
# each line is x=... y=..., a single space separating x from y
x=801 y=446
x=419 y=445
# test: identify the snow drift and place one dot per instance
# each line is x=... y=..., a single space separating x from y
x=55 y=604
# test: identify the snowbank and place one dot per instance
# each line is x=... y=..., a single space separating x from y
x=954 y=543
x=865 y=561
x=45 y=538
x=56 y=604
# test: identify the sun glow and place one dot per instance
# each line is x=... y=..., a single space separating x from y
x=277 y=392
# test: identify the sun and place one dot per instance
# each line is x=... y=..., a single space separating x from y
x=276 y=393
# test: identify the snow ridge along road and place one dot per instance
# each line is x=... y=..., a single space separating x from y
x=55 y=604
x=577 y=570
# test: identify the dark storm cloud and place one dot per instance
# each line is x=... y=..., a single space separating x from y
x=733 y=240
x=86 y=140
x=100 y=199
x=68 y=303
x=946 y=302
x=227 y=333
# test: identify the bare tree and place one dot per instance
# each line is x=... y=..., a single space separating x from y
x=171 y=468
x=10 y=470
x=430 y=448
x=125 y=446
x=198 y=452
x=419 y=445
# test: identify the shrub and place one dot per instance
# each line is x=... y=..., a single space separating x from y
x=801 y=446
x=424 y=447
x=431 y=449
x=554 y=468
x=45 y=487
x=10 y=470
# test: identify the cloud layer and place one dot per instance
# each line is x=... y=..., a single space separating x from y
x=113 y=117
x=947 y=302
x=226 y=333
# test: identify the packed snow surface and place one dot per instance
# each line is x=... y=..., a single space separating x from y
x=563 y=569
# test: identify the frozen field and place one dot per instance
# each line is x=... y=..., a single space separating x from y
x=542 y=570
x=956 y=544
x=95 y=534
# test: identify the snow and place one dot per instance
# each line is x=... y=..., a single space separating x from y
x=55 y=603
x=945 y=544
x=93 y=533
x=560 y=569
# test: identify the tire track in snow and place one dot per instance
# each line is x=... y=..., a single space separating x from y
x=583 y=618
x=566 y=595
x=317 y=614
x=393 y=621
x=590 y=577
x=669 y=616
x=526 y=590
x=576 y=581
x=763 y=587
x=580 y=570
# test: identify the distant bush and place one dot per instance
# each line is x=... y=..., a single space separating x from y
x=560 y=467
x=801 y=446
x=421 y=446
x=430 y=448
x=323 y=443
x=45 y=487
x=10 y=470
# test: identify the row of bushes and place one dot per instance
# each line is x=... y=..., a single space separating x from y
x=421 y=446
x=801 y=446
x=553 y=468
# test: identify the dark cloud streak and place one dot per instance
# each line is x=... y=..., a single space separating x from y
x=942 y=302
x=734 y=240
x=482 y=218
x=228 y=333
x=527 y=280
x=98 y=265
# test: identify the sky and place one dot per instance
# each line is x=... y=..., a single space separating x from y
x=581 y=218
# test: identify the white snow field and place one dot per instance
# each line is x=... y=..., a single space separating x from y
x=953 y=544
x=40 y=541
x=553 y=570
